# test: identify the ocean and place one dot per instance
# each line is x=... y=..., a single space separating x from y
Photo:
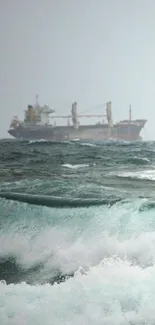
x=84 y=263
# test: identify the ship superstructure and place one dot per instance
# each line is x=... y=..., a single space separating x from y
x=37 y=126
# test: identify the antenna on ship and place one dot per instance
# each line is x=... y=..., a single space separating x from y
x=109 y=118
x=37 y=100
x=130 y=113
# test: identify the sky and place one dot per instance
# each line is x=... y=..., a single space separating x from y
x=89 y=51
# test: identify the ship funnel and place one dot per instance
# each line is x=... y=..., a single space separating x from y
x=109 y=114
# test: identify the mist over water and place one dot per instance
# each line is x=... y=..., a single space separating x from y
x=78 y=265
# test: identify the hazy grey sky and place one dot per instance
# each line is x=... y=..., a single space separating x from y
x=90 y=51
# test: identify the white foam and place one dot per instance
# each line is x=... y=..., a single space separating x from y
x=143 y=174
x=75 y=166
x=112 y=293
x=88 y=144
x=35 y=141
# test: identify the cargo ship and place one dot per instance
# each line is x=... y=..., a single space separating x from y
x=37 y=126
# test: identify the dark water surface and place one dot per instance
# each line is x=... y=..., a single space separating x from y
x=84 y=264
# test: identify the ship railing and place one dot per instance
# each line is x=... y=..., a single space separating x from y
x=130 y=123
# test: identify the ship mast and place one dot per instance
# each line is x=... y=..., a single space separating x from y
x=130 y=113
x=37 y=101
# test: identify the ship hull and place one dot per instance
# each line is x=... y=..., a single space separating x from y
x=124 y=132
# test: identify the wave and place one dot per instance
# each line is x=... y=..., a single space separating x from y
x=113 y=292
x=146 y=206
x=56 y=202
x=46 y=245
x=142 y=174
x=87 y=144
x=38 y=141
x=12 y=272
x=75 y=166
x=89 y=265
x=136 y=160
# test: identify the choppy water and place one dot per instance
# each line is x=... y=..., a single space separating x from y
x=80 y=265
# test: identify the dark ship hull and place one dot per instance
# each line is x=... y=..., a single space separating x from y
x=125 y=131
